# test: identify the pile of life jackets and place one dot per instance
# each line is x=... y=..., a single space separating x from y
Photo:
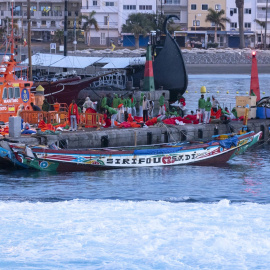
x=43 y=126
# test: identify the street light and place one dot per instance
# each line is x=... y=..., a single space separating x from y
x=265 y=29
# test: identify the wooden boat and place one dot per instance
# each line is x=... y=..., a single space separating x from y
x=8 y=159
x=215 y=152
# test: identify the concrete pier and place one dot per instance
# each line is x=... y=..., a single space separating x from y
x=113 y=137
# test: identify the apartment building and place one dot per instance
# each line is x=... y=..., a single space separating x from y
x=46 y=16
x=111 y=15
x=232 y=28
x=260 y=14
x=175 y=7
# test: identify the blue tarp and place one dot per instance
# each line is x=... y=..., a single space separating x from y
x=160 y=151
x=228 y=143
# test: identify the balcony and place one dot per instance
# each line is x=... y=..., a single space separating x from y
x=88 y=9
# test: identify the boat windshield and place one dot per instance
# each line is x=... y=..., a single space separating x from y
x=11 y=92
x=4 y=93
x=17 y=92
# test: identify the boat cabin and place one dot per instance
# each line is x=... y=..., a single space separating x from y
x=13 y=91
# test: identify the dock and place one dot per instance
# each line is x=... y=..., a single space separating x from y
x=160 y=133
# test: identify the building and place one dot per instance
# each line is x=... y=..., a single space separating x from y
x=175 y=7
x=46 y=16
x=111 y=15
x=200 y=31
x=260 y=14
x=250 y=25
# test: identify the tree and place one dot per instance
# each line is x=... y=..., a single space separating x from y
x=171 y=26
x=217 y=18
x=139 y=24
x=240 y=6
x=88 y=22
x=59 y=36
x=262 y=25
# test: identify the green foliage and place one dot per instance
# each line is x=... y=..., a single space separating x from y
x=89 y=21
x=139 y=24
x=217 y=18
x=59 y=36
x=260 y=23
x=212 y=45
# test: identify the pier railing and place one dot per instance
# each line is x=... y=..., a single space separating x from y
x=54 y=117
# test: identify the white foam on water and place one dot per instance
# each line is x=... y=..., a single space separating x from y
x=105 y=234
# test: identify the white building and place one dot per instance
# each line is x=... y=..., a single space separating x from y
x=249 y=23
x=261 y=16
x=111 y=15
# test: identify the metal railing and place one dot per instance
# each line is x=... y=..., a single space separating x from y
x=61 y=117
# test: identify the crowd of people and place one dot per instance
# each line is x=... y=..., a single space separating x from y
x=118 y=109
x=206 y=109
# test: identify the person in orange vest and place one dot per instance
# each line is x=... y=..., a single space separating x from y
x=73 y=115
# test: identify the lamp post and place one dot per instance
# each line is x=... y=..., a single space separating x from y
x=265 y=29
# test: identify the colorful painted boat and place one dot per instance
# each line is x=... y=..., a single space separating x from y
x=8 y=159
x=215 y=152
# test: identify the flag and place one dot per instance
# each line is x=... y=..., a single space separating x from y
x=113 y=47
x=24 y=43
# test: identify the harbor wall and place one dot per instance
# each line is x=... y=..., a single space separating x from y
x=114 y=137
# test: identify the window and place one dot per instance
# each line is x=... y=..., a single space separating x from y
x=10 y=92
x=5 y=93
x=53 y=23
x=129 y=7
x=247 y=10
x=247 y=25
x=102 y=39
x=34 y=23
x=196 y=23
x=147 y=7
x=193 y=6
x=94 y=3
x=43 y=22
x=233 y=11
x=218 y=7
x=106 y=20
x=109 y=4
x=45 y=10
x=17 y=92
x=233 y=25
x=204 y=7
x=213 y=24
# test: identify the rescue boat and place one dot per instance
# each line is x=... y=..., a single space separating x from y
x=14 y=91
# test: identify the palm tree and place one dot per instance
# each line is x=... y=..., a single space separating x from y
x=217 y=18
x=59 y=36
x=139 y=24
x=240 y=6
x=89 y=21
x=262 y=25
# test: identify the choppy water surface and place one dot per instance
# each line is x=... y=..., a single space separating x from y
x=183 y=217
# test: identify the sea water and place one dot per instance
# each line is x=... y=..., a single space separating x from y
x=182 y=217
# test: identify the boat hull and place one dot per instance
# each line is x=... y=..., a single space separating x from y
x=208 y=154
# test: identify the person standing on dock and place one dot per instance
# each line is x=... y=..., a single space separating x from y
x=103 y=103
x=133 y=106
x=201 y=107
x=145 y=109
x=129 y=104
x=215 y=104
x=141 y=102
x=73 y=115
x=162 y=104
x=113 y=113
x=207 y=111
x=45 y=105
